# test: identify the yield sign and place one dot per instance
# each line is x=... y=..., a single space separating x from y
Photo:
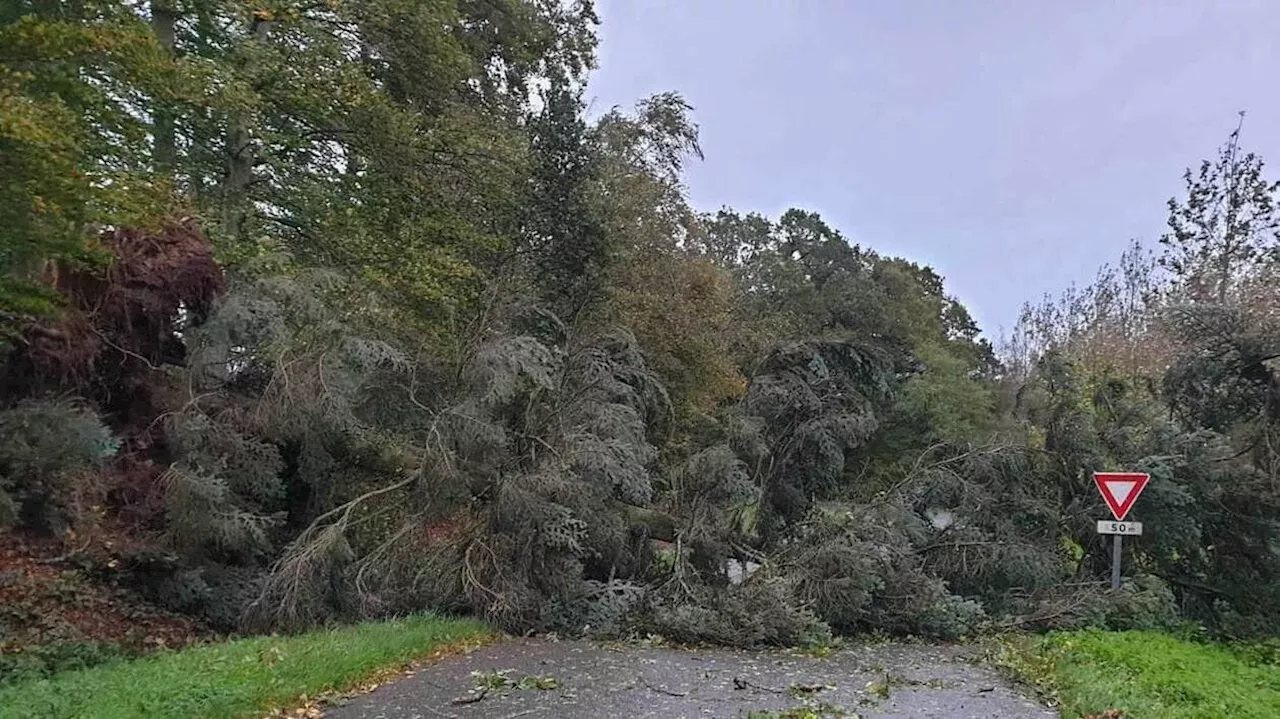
x=1120 y=489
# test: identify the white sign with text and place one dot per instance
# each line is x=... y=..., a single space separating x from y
x=1110 y=526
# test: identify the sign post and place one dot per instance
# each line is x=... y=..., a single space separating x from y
x=1116 y=553
x=1120 y=490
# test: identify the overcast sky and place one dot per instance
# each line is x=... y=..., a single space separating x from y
x=1013 y=145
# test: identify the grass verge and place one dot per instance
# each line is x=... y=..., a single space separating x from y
x=242 y=678
x=1143 y=674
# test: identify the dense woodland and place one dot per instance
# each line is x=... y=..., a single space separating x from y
x=319 y=311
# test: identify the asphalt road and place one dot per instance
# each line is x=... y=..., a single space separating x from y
x=580 y=680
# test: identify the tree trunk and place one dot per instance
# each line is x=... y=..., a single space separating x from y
x=241 y=157
x=164 y=150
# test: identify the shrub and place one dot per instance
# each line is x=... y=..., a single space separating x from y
x=1142 y=604
x=42 y=447
x=1234 y=619
x=760 y=611
x=860 y=571
x=45 y=660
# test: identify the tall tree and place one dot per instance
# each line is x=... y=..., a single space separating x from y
x=565 y=228
x=1226 y=228
x=680 y=306
x=75 y=80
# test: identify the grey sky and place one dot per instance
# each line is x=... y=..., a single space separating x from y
x=1014 y=146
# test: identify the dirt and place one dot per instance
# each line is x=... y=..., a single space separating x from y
x=42 y=601
x=576 y=680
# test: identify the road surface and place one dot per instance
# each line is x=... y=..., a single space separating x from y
x=589 y=680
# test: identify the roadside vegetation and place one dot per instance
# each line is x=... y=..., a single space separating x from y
x=1139 y=674
x=316 y=313
x=241 y=678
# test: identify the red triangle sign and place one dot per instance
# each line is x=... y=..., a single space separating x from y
x=1121 y=490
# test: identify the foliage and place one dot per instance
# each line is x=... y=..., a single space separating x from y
x=123 y=321
x=860 y=571
x=236 y=678
x=1110 y=325
x=817 y=400
x=48 y=659
x=1228 y=227
x=681 y=307
x=565 y=231
x=993 y=523
x=1144 y=604
x=73 y=145
x=532 y=471
x=761 y=611
x=1144 y=674
x=44 y=445
x=383 y=321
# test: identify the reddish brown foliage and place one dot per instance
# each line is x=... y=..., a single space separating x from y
x=449 y=528
x=133 y=491
x=122 y=321
x=62 y=351
x=42 y=600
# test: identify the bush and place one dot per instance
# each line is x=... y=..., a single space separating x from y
x=45 y=660
x=42 y=447
x=861 y=572
x=217 y=594
x=761 y=611
x=1259 y=653
x=1229 y=621
x=1144 y=603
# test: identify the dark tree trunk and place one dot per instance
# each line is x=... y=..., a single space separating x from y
x=164 y=128
x=241 y=157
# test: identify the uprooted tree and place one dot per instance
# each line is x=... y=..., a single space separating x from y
x=368 y=328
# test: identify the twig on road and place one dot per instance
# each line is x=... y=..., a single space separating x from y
x=740 y=683
x=660 y=690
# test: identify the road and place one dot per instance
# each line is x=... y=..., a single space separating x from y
x=587 y=680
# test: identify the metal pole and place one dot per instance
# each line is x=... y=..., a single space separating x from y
x=1115 y=561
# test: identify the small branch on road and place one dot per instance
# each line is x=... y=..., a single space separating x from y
x=740 y=683
x=660 y=690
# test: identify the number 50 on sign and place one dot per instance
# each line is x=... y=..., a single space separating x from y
x=1110 y=526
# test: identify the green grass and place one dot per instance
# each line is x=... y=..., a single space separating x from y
x=235 y=679
x=1145 y=674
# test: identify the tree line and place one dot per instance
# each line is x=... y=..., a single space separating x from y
x=317 y=311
